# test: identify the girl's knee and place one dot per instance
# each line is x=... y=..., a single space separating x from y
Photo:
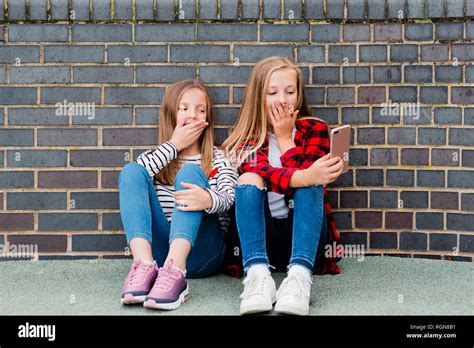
x=190 y=173
x=132 y=170
x=251 y=179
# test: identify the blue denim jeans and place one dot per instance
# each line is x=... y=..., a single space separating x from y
x=143 y=217
x=297 y=239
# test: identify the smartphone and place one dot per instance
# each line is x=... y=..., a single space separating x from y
x=340 y=143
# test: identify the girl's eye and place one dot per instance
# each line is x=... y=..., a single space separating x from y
x=291 y=92
x=273 y=93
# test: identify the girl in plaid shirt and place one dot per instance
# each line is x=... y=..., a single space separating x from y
x=282 y=210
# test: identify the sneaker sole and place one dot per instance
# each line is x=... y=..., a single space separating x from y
x=183 y=297
x=257 y=308
x=130 y=299
x=284 y=309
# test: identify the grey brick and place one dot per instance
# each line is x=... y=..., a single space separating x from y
x=435 y=9
x=443 y=241
x=202 y=53
x=414 y=199
x=372 y=53
x=16 y=137
x=165 y=10
x=74 y=54
x=358 y=157
x=418 y=73
x=449 y=31
x=37 y=158
x=356 y=9
x=98 y=158
x=430 y=178
x=375 y=135
x=355 y=238
x=35 y=116
x=434 y=53
x=376 y=9
x=219 y=95
x=345 y=180
x=144 y=9
x=102 y=32
x=403 y=94
x=470 y=30
x=130 y=136
x=431 y=136
x=469 y=116
x=227 y=32
x=446 y=73
x=444 y=200
x=418 y=31
x=387 y=74
x=229 y=9
x=340 y=95
x=313 y=9
x=466 y=242
x=448 y=116
x=325 y=33
x=133 y=95
x=99 y=242
x=50 y=74
x=311 y=54
x=469 y=73
x=225 y=116
x=250 y=9
x=342 y=53
x=137 y=53
x=398 y=177
x=384 y=157
x=81 y=10
x=21 y=54
x=67 y=221
x=394 y=7
x=16 y=9
x=13 y=179
x=147 y=116
x=460 y=179
x=469 y=9
x=404 y=53
x=335 y=9
x=187 y=9
x=413 y=241
x=53 y=95
x=356 y=32
x=416 y=115
x=65 y=137
x=383 y=240
x=252 y=53
x=38 y=10
x=329 y=115
x=103 y=74
x=37 y=32
x=1 y=120
x=429 y=221
x=17 y=95
x=369 y=177
x=400 y=135
x=314 y=95
x=387 y=32
x=385 y=115
x=434 y=95
x=112 y=222
x=356 y=115
x=220 y=74
x=123 y=9
x=95 y=200
x=59 y=9
x=220 y=134
x=356 y=75
x=445 y=157
x=326 y=75
x=101 y=10
x=343 y=219
x=415 y=157
x=3 y=76
x=105 y=116
x=284 y=32
x=383 y=199
x=462 y=222
x=36 y=200
x=292 y=9
x=462 y=95
x=354 y=199
x=463 y=52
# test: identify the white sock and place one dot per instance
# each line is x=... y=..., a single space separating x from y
x=294 y=269
x=259 y=269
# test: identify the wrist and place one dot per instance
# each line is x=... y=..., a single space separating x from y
x=175 y=144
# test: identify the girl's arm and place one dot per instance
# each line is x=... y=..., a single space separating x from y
x=223 y=197
x=156 y=160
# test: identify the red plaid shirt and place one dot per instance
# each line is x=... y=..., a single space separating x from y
x=312 y=142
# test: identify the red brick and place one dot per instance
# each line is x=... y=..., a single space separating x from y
x=399 y=220
x=16 y=222
x=388 y=32
x=67 y=179
x=371 y=95
x=368 y=219
x=110 y=179
x=46 y=243
x=1 y=201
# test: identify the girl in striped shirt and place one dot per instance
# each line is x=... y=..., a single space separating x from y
x=173 y=202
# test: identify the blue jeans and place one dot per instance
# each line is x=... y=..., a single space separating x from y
x=143 y=217
x=280 y=242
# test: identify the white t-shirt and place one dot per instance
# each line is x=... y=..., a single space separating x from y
x=276 y=201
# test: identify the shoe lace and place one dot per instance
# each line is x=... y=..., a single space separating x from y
x=139 y=272
x=166 y=277
x=254 y=285
x=294 y=285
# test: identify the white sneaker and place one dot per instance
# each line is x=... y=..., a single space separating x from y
x=259 y=294
x=293 y=295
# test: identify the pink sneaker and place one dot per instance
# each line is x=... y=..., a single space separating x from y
x=138 y=283
x=170 y=289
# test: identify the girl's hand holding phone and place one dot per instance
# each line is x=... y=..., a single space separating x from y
x=324 y=171
x=283 y=119
x=186 y=135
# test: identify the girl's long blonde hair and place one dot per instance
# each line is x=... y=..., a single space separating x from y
x=168 y=116
x=252 y=123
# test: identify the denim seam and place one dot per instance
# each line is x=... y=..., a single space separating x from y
x=133 y=235
x=181 y=235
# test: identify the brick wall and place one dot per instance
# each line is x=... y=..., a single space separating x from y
x=410 y=190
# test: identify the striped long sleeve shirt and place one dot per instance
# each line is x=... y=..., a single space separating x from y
x=222 y=180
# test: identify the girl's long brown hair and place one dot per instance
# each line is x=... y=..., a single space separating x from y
x=168 y=114
x=252 y=123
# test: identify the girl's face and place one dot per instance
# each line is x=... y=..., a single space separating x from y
x=192 y=107
x=282 y=88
